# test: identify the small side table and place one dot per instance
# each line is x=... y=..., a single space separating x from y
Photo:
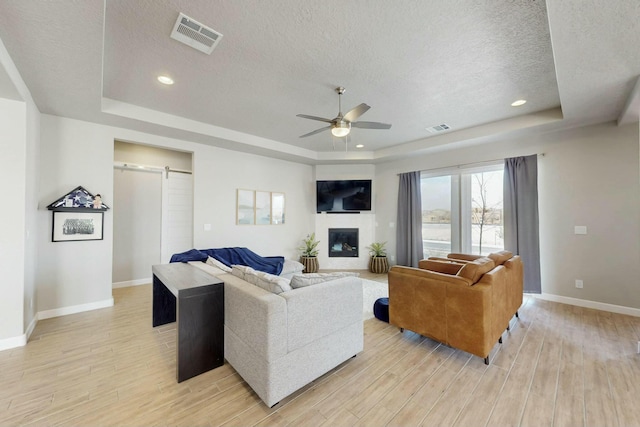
x=195 y=300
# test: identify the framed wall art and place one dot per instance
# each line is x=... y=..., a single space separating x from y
x=254 y=207
x=78 y=216
x=277 y=208
x=75 y=226
x=263 y=208
x=245 y=207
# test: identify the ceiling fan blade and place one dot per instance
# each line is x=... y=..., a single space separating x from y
x=320 y=119
x=315 y=131
x=370 y=125
x=356 y=112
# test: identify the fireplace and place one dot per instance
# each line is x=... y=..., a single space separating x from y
x=343 y=242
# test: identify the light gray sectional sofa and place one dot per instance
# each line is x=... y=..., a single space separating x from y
x=279 y=343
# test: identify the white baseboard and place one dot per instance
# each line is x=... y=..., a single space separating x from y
x=20 y=341
x=31 y=327
x=56 y=312
x=620 y=309
x=13 y=342
x=128 y=283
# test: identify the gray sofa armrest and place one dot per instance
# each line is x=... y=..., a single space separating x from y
x=319 y=310
x=256 y=316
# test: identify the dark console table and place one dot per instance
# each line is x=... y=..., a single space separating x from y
x=195 y=300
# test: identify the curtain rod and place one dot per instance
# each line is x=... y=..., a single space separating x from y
x=469 y=164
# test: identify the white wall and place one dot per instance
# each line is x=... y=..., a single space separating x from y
x=219 y=173
x=73 y=274
x=151 y=156
x=80 y=153
x=13 y=123
x=32 y=184
x=19 y=153
x=137 y=228
x=588 y=176
x=137 y=209
x=364 y=221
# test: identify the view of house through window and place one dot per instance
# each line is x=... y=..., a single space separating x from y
x=463 y=212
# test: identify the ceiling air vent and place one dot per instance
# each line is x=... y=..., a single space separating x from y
x=438 y=128
x=194 y=34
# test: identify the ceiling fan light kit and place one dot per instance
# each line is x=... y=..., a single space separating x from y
x=341 y=125
x=341 y=129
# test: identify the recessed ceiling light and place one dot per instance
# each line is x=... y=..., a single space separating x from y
x=518 y=103
x=165 y=80
x=359 y=146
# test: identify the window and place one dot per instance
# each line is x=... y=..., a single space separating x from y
x=463 y=212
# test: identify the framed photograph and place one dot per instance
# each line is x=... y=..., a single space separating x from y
x=77 y=226
x=245 y=207
x=277 y=208
x=263 y=207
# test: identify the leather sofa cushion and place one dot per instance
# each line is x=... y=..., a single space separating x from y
x=500 y=257
x=474 y=270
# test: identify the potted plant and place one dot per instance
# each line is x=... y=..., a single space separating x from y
x=309 y=253
x=378 y=262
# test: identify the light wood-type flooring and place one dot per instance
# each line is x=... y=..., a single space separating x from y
x=559 y=365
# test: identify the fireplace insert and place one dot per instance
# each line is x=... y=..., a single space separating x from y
x=343 y=242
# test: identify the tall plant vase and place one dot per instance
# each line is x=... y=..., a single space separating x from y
x=378 y=264
x=310 y=264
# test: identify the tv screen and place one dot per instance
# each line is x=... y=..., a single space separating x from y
x=343 y=196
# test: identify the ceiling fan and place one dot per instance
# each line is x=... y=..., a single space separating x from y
x=341 y=125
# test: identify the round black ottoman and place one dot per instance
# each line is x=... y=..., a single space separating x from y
x=381 y=309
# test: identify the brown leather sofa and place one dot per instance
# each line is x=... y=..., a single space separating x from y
x=463 y=301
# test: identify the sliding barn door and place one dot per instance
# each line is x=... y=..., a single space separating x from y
x=177 y=214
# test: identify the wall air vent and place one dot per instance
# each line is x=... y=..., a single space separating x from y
x=194 y=34
x=438 y=128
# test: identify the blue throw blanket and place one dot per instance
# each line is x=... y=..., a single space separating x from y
x=233 y=256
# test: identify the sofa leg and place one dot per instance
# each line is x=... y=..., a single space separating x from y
x=401 y=330
x=508 y=328
x=353 y=356
x=272 y=406
x=517 y=314
x=486 y=360
x=500 y=340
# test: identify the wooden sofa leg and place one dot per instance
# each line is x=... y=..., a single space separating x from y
x=517 y=314
x=401 y=330
x=500 y=340
x=486 y=360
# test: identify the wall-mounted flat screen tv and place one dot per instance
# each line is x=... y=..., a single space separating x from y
x=343 y=196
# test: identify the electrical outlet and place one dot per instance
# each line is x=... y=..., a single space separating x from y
x=579 y=283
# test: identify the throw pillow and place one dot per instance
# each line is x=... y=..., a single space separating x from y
x=214 y=262
x=475 y=269
x=302 y=280
x=268 y=282
x=500 y=257
x=241 y=270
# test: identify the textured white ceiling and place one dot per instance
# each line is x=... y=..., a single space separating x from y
x=416 y=63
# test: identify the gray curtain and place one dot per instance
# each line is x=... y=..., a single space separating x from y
x=409 y=227
x=521 y=216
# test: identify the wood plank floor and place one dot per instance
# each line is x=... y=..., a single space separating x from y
x=559 y=365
